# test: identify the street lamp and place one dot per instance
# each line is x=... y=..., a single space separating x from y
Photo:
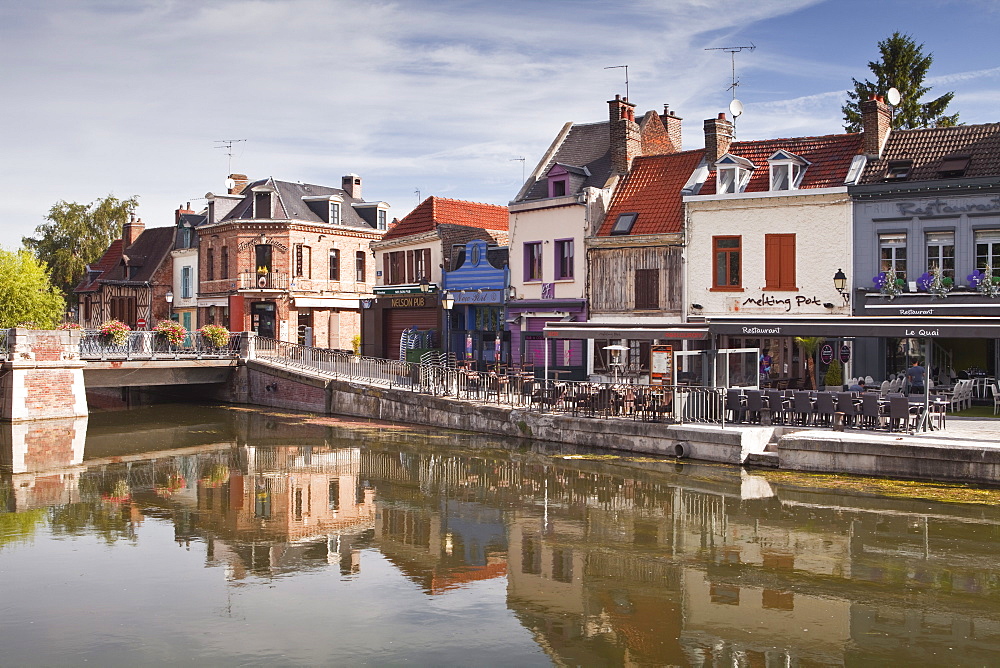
x=447 y=301
x=425 y=285
x=840 y=281
x=170 y=304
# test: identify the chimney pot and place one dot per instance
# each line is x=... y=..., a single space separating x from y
x=722 y=115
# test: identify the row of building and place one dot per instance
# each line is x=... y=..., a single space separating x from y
x=620 y=244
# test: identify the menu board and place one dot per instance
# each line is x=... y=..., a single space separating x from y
x=661 y=365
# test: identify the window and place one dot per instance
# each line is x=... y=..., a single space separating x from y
x=647 y=288
x=262 y=204
x=953 y=166
x=335 y=213
x=394 y=268
x=786 y=170
x=184 y=237
x=624 y=223
x=334 y=265
x=262 y=256
x=941 y=253
x=898 y=170
x=420 y=261
x=779 y=262
x=988 y=250
x=382 y=219
x=557 y=186
x=359 y=267
x=732 y=174
x=210 y=264
x=533 y=261
x=892 y=254
x=186 y=283
x=726 y=253
x=224 y=262
x=564 y=259
x=303 y=257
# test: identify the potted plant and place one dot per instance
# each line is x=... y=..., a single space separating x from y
x=889 y=284
x=834 y=376
x=933 y=282
x=170 y=331
x=114 y=332
x=215 y=336
x=984 y=282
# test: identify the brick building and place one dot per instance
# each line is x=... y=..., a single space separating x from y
x=290 y=261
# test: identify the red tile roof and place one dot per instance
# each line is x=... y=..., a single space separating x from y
x=434 y=211
x=830 y=156
x=928 y=148
x=108 y=261
x=653 y=190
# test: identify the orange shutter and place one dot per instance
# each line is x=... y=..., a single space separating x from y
x=772 y=262
x=786 y=263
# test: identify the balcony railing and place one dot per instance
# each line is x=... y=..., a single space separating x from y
x=273 y=280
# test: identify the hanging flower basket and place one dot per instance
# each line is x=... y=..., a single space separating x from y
x=215 y=336
x=114 y=332
x=889 y=284
x=170 y=331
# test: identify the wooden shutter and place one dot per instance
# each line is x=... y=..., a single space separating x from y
x=647 y=288
x=786 y=279
x=779 y=261
x=772 y=260
x=387 y=269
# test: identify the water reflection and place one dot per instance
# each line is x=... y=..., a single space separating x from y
x=603 y=562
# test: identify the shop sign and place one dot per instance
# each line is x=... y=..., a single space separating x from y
x=477 y=297
x=845 y=354
x=937 y=207
x=786 y=302
x=399 y=290
x=414 y=301
x=826 y=353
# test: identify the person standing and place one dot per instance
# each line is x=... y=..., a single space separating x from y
x=915 y=377
x=765 y=366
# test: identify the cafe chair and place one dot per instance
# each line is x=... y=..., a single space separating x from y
x=777 y=405
x=871 y=411
x=825 y=407
x=802 y=407
x=903 y=416
x=735 y=405
x=846 y=405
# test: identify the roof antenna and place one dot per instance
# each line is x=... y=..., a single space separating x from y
x=522 y=166
x=615 y=67
x=228 y=145
x=417 y=193
x=735 y=107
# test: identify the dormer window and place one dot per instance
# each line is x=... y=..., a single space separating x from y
x=732 y=174
x=558 y=179
x=898 y=170
x=334 y=213
x=786 y=170
x=262 y=204
x=383 y=219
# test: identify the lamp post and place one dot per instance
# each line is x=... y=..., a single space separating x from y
x=447 y=303
x=840 y=282
x=425 y=285
x=170 y=304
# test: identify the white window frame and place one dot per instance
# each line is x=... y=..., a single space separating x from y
x=787 y=167
x=335 y=213
x=732 y=173
x=186 y=292
x=893 y=241
x=939 y=241
x=992 y=239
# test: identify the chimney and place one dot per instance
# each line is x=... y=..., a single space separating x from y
x=875 y=121
x=672 y=123
x=240 y=182
x=131 y=230
x=181 y=210
x=626 y=142
x=718 y=137
x=351 y=184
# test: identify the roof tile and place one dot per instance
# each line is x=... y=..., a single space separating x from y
x=435 y=211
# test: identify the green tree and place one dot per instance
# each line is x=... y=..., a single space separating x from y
x=26 y=293
x=903 y=66
x=808 y=345
x=77 y=235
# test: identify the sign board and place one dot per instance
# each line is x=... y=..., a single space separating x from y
x=826 y=353
x=401 y=290
x=140 y=323
x=661 y=365
x=489 y=296
x=845 y=354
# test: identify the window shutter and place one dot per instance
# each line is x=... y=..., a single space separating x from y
x=786 y=264
x=772 y=261
x=647 y=288
x=387 y=278
x=409 y=267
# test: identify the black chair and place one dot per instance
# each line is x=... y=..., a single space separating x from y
x=871 y=411
x=802 y=407
x=902 y=415
x=846 y=405
x=735 y=405
x=825 y=407
x=777 y=405
x=755 y=405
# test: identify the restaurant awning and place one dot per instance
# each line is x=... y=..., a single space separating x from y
x=845 y=327
x=584 y=330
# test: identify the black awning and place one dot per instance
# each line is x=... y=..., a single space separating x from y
x=586 y=330
x=894 y=327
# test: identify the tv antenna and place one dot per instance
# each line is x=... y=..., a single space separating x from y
x=228 y=145
x=417 y=193
x=615 y=67
x=521 y=159
x=733 y=50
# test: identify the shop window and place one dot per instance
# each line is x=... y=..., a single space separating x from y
x=988 y=250
x=533 y=261
x=647 y=288
x=779 y=261
x=941 y=253
x=334 y=265
x=727 y=269
x=564 y=259
x=892 y=254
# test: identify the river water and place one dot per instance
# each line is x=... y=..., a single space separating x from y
x=234 y=536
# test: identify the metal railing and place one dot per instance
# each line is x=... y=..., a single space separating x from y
x=150 y=345
x=661 y=403
x=5 y=343
x=272 y=280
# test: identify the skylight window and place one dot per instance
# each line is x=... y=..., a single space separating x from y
x=953 y=166
x=898 y=170
x=857 y=167
x=624 y=223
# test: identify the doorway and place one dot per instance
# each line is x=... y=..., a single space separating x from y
x=264 y=319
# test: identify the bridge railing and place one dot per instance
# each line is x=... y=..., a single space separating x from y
x=143 y=345
x=337 y=363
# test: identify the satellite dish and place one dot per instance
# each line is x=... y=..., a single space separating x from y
x=230 y=184
x=736 y=108
x=893 y=97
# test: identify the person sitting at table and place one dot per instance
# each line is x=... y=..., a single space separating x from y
x=858 y=386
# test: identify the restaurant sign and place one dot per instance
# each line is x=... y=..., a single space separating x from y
x=408 y=301
x=477 y=296
x=400 y=290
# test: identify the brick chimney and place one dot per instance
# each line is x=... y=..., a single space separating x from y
x=181 y=210
x=626 y=142
x=672 y=123
x=240 y=182
x=131 y=230
x=351 y=184
x=875 y=121
x=718 y=137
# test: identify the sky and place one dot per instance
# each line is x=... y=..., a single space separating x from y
x=418 y=97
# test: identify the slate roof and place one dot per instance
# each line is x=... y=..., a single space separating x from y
x=435 y=211
x=830 y=157
x=192 y=219
x=586 y=145
x=652 y=189
x=144 y=256
x=110 y=259
x=927 y=147
x=290 y=205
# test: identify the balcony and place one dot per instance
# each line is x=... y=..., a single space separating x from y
x=274 y=280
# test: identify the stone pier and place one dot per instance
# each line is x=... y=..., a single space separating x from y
x=41 y=376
